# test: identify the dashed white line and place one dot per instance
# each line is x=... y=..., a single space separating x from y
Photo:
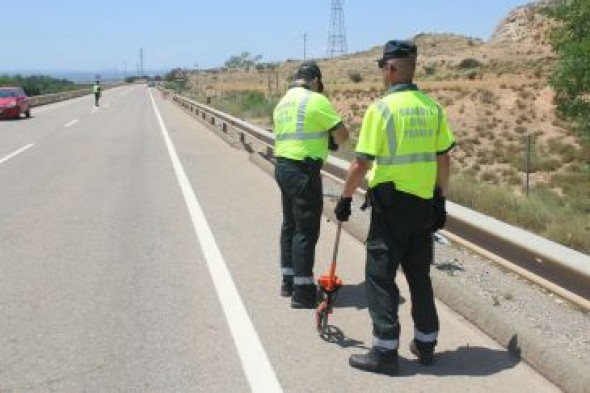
x=16 y=153
x=71 y=123
x=255 y=363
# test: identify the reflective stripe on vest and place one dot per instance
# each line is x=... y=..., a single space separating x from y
x=393 y=158
x=300 y=134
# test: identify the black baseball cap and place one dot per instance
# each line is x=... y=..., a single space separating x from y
x=308 y=70
x=397 y=49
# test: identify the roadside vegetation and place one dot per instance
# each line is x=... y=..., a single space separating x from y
x=570 y=40
x=520 y=114
x=39 y=84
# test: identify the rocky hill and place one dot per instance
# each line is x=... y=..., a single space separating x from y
x=524 y=25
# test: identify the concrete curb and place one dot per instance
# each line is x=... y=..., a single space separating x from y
x=520 y=341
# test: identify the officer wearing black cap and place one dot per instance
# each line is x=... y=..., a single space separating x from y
x=403 y=144
x=304 y=122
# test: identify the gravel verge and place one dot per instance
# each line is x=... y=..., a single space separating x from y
x=549 y=333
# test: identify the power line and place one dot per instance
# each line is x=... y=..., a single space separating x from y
x=337 y=35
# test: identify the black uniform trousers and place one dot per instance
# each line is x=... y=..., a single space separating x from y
x=400 y=234
x=301 y=193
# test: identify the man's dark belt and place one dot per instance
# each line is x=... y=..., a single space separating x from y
x=382 y=196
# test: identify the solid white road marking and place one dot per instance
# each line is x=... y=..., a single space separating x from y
x=14 y=154
x=255 y=363
x=71 y=123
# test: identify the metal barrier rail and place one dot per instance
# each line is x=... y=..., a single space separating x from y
x=66 y=95
x=50 y=98
x=540 y=260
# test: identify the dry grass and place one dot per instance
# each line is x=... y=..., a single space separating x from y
x=491 y=113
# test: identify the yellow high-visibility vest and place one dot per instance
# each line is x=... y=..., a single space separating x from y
x=403 y=132
x=302 y=121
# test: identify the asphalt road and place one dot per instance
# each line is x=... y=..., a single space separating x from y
x=139 y=252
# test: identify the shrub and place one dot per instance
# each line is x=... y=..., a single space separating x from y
x=429 y=70
x=546 y=164
x=471 y=74
x=489 y=176
x=469 y=63
x=355 y=76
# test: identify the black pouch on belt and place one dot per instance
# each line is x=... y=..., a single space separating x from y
x=381 y=197
x=312 y=165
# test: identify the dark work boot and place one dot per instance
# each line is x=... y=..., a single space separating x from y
x=425 y=356
x=287 y=288
x=376 y=361
x=304 y=296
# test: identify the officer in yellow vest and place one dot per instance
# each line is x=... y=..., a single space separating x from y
x=304 y=124
x=96 y=90
x=403 y=146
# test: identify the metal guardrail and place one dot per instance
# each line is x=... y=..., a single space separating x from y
x=66 y=95
x=556 y=266
x=50 y=98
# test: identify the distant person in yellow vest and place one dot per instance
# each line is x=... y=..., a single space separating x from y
x=403 y=144
x=305 y=125
x=97 y=90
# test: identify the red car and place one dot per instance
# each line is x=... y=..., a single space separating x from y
x=13 y=102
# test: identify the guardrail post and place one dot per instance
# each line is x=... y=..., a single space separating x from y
x=270 y=153
x=527 y=163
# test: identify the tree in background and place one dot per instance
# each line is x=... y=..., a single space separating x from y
x=570 y=39
x=243 y=60
x=174 y=74
x=37 y=84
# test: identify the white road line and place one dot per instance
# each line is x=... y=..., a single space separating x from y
x=71 y=123
x=255 y=363
x=16 y=153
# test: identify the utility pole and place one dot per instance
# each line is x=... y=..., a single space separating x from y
x=304 y=46
x=198 y=78
x=337 y=36
x=141 y=62
x=527 y=163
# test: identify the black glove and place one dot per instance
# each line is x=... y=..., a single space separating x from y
x=342 y=209
x=439 y=211
x=332 y=145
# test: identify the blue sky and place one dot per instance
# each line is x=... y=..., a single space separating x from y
x=106 y=35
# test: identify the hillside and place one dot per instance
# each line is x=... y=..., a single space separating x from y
x=496 y=93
